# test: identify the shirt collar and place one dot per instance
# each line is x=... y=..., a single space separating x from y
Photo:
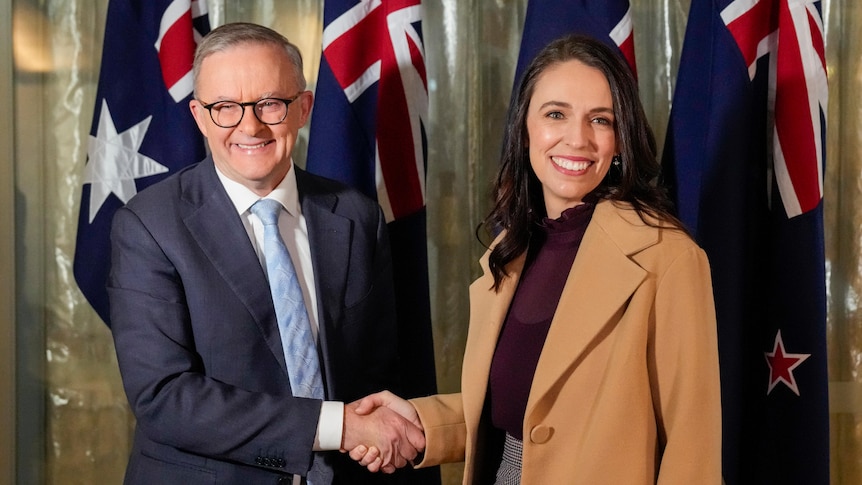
x=243 y=198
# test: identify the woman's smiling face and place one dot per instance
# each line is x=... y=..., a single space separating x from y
x=570 y=127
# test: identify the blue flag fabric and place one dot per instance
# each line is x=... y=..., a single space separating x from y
x=609 y=21
x=368 y=131
x=142 y=128
x=744 y=155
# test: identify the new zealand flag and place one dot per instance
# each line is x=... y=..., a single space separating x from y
x=745 y=155
x=609 y=21
x=142 y=128
x=368 y=131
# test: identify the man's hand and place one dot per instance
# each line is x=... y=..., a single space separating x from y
x=370 y=458
x=389 y=440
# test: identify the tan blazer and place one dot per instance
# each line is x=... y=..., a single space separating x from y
x=627 y=386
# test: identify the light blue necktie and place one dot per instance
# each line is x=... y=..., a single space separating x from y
x=297 y=341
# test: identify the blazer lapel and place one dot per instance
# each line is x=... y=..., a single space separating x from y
x=601 y=280
x=329 y=238
x=218 y=230
x=488 y=312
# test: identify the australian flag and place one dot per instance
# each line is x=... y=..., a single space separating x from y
x=142 y=128
x=745 y=155
x=368 y=131
x=609 y=21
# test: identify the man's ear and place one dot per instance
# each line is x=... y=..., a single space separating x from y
x=200 y=114
x=305 y=101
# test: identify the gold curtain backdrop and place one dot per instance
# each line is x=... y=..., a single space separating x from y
x=73 y=422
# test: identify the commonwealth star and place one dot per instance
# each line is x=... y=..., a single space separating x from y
x=115 y=161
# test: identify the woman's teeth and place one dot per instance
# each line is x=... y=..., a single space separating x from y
x=571 y=164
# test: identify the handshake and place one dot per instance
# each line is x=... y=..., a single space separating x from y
x=382 y=432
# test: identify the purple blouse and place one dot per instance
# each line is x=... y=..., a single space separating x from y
x=552 y=251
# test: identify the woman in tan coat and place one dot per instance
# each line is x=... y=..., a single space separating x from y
x=591 y=356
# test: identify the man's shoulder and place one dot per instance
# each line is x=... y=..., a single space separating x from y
x=167 y=197
x=318 y=184
x=343 y=196
x=169 y=188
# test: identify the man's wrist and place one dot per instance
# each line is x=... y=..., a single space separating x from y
x=330 y=426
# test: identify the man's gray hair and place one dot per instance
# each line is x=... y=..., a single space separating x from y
x=234 y=34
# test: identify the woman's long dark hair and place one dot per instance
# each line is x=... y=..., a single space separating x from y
x=518 y=200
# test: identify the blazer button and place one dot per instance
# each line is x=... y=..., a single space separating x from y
x=287 y=480
x=541 y=434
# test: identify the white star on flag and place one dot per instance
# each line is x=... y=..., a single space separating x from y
x=115 y=162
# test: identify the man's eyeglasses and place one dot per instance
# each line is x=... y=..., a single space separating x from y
x=269 y=111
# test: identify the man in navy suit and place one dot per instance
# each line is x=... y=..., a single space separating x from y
x=193 y=321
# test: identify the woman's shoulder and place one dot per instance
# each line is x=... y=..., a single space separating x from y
x=654 y=244
x=622 y=219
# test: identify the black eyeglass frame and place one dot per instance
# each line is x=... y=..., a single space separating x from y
x=209 y=107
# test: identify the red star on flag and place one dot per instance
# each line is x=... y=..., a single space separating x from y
x=781 y=365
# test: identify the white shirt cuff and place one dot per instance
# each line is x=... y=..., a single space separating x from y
x=330 y=427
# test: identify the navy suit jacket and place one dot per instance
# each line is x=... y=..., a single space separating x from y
x=197 y=340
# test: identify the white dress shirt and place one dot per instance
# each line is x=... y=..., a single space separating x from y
x=294 y=232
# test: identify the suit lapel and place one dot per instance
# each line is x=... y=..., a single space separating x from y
x=329 y=238
x=218 y=230
x=601 y=280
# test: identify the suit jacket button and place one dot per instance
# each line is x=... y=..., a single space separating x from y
x=286 y=480
x=541 y=434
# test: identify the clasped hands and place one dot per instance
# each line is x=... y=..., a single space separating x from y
x=382 y=432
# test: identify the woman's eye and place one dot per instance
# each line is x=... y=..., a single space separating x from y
x=555 y=115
